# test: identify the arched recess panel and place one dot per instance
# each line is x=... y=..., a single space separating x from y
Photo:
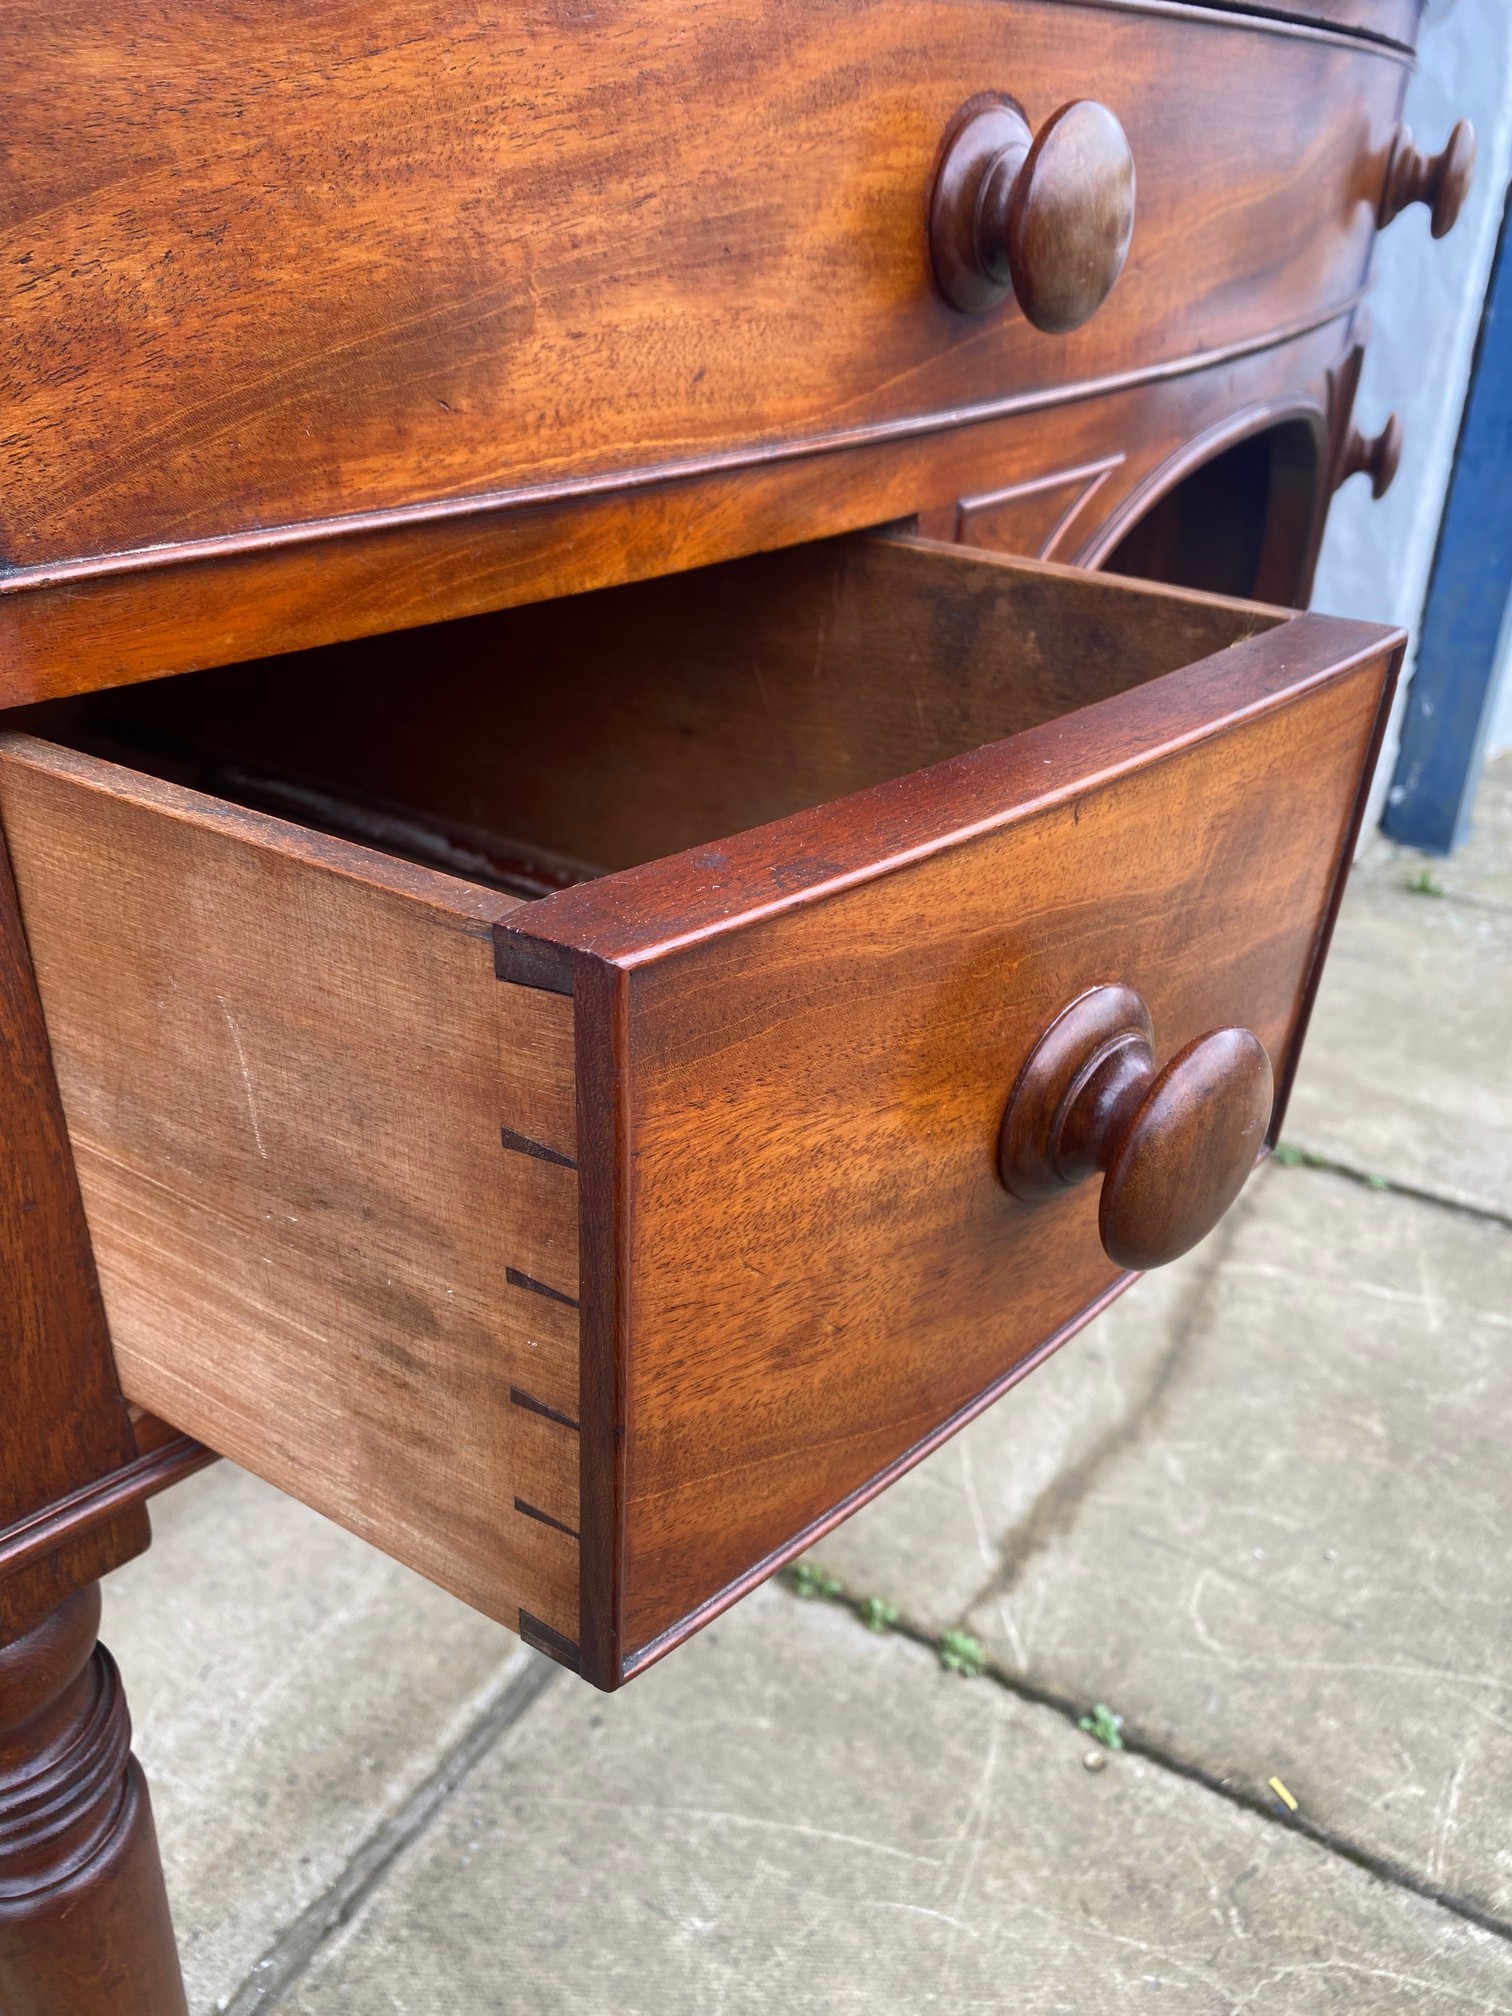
x=1243 y=521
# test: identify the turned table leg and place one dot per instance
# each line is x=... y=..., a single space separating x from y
x=84 y=1926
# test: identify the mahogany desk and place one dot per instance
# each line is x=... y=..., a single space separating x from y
x=744 y=823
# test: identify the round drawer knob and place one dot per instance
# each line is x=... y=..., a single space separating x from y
x=1043 y=216
x=1379 y=459
x=1442 y=181
x=1174 y=1146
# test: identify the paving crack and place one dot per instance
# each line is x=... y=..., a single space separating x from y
x=1289 y=1156
x=1056 y=1507
x=296 y=1946
x=1235 y=1792
x=1452 y=899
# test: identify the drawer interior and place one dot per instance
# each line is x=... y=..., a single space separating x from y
x=539 y=746
x=348 y=1164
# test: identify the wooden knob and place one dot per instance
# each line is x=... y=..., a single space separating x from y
x=1442 y=181
x=1043 y=216
x=1379 y=459
x=1174 y=1146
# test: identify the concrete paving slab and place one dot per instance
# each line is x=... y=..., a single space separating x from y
x=1481 y=871
x=795 y=1816
x=1407 y=1069
x=1375 y=1094
x=289 y=1688
x=1259 y=1507
x=931 y=1541
x=1300 y=1568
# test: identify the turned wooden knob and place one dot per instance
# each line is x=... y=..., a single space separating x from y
x=1043 y=216
x=1442 y=181
x=1379 y=459
x=1174 y=1146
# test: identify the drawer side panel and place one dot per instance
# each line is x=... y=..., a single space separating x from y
x=286 y=1079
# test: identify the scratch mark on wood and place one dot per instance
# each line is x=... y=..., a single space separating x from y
x=241 y=1058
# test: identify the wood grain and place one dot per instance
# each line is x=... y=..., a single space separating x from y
x=1042 y=218
x=1174 y=1148
x=341 y=261
x=1032 y=517
x=285 y=1064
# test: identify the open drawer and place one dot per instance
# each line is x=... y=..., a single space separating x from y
x=592 y=1253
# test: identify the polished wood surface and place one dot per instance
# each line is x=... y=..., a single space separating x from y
x=1030 y=517
x=336 y=320
x=1042 y=218
x=1179 y=1154
x=1238 y=509
x=1258 y=441
x=532 y=261
x=1440 y=181
x=104 y=1499
x=84 y=1925
x=1175 y=1147
x=286 y=1065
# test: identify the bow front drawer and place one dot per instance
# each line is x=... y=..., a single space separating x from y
x=584 y=1096
x=425 y=258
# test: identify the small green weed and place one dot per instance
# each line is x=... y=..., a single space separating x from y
x=961 y=1653
x=809 y=1581
x=1425 y=884
x=1104 y=1725
x=1302 y=1158
x=877 y=1614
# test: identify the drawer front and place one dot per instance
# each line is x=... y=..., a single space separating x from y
x=799 y=1267
x=325 y=263
x=141 y=626
x=592 y=1254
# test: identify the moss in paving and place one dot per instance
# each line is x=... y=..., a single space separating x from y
x=960 y=1653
